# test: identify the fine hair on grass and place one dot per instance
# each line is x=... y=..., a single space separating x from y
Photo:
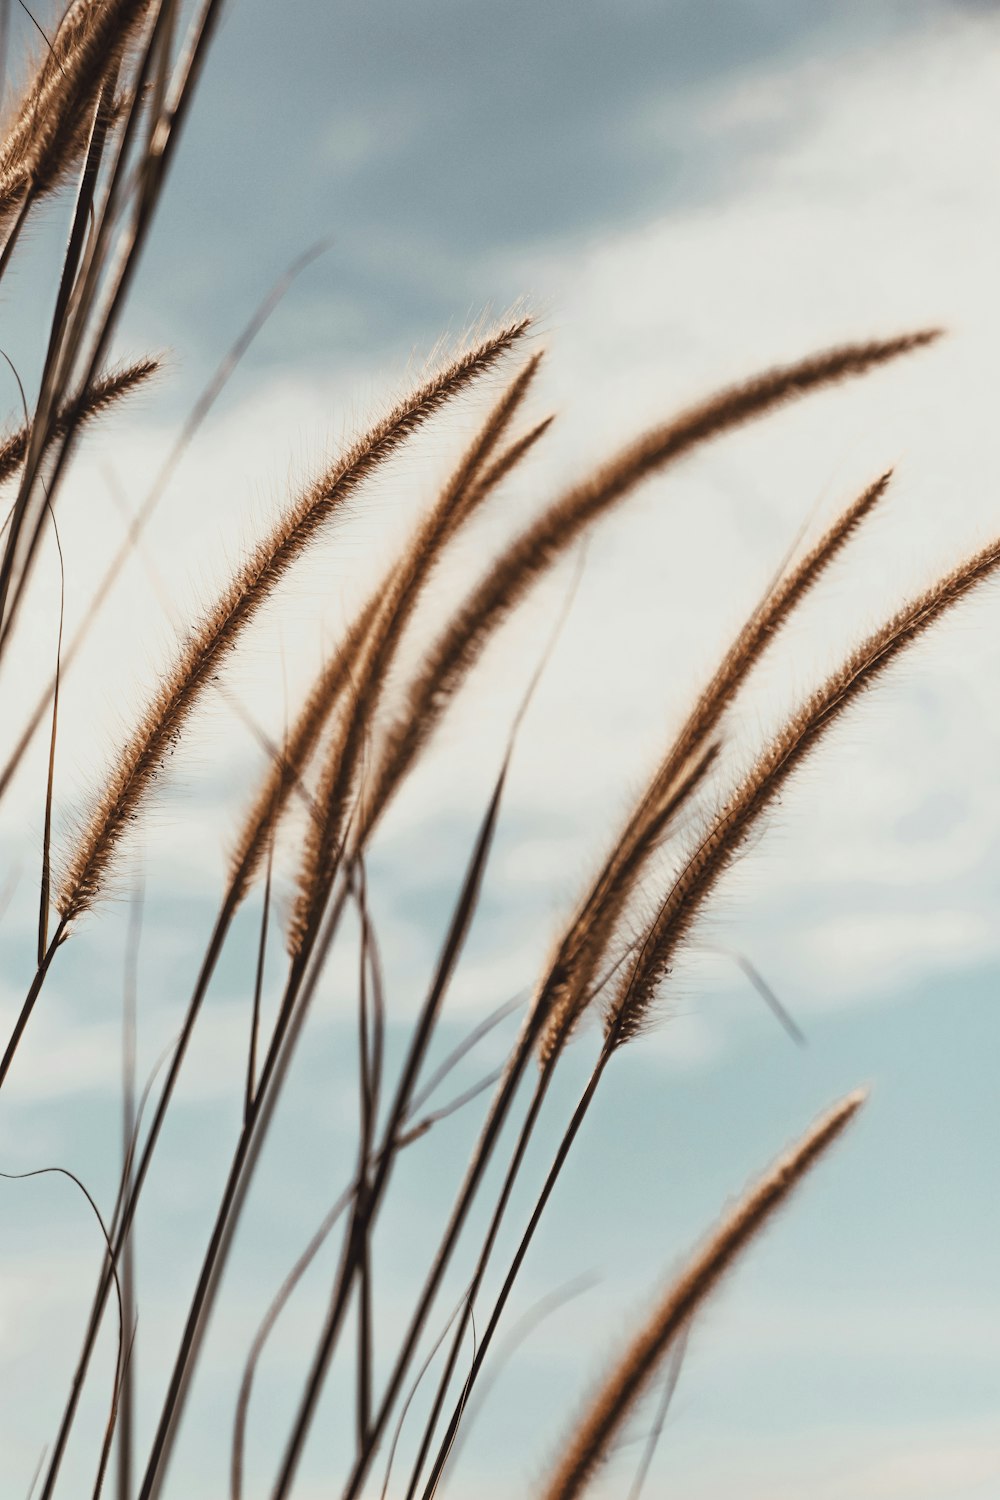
x=91 y=135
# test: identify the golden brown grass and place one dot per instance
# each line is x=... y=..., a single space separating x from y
x=100 y=398
x=114 y=75
x=583 y=947
x=469 y=487
x=139 y=762
x=782 y=756
x=450 y=659
x=48 y=134
x=617 y=1397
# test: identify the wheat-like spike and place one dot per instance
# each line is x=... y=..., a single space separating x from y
x=620 y=1392
x=49 y=131
x=253 y=583
x=286 y=770
x=102 y=394
x=539 y=547
x=629 y=1011
x=398 y=595
x=588 y=935
x=568 y=986
x=505 y=462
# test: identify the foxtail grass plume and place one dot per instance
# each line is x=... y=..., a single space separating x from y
x=781 y=757
x=583 y=947
x=101 y=396
x=139 y=761
x=619 y=1394
x=546 y=541
x=398 y=595
x=47 y=135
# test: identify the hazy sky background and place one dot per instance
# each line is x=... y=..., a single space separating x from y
x=685 y=193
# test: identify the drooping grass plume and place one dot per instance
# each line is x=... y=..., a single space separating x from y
x=783 y=755
x=101 y=397
x=286 y=770
x=198 y=414
x=48 y=134
x=398 y=596
x=542 y=544
x=619 y=1394
x=582 y=948
x=139 y=761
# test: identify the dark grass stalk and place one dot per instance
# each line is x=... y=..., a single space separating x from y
x=778 y=1009
x=103 y=121
x=627 y=1382
x=525 y=1326
x=126 y=1432
x=45 y=881
x=315 y=1244
x=482 y=1153
x=193 y=423
x=36 y=1474
x=298 y=997
x=264 y=1331
x=216 y=943
x=463 y=1048
x=109 y=1431
x=258 y=987
x=122 y=1350
x=366 y=1209
x=394 y=1140
x=369 y=1069
x=30 y=1000
x=306 y=970
x=524 y=1138
x=46 y=426
x=414 y=1388
x=118 y=280
x=426 y=1122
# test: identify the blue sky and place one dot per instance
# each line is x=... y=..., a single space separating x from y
x=686 y=193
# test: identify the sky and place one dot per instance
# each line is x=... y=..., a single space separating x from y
x=684 y=194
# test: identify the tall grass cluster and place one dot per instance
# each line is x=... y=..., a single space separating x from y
x=92 y=134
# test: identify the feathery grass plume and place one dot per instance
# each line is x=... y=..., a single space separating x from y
x=569 y=983
x=286 y=770
x=542 y=544
x=398 y=595
x=139 y=761
x=783 y=755
x=49 y=132
x=616 y=1399
x=103 y=394
x=588 y=935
